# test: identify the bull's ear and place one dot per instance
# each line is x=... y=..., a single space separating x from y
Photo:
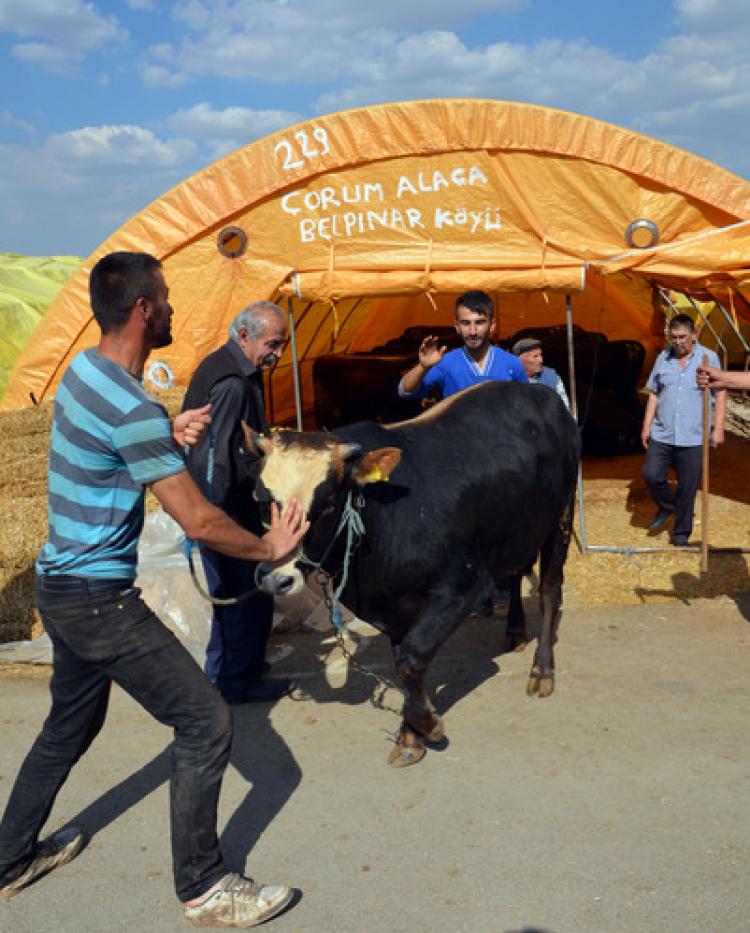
x=256 y=443
x=377 y=466
x=348 y=451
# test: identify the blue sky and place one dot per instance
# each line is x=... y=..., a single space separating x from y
x=105 y=105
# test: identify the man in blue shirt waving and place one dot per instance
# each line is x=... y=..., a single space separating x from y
x=476 y=361
x=673 y=428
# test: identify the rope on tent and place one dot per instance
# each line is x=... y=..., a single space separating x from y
x=731 y=308
x=336 y=323
x=427 y=272
x=331 y=265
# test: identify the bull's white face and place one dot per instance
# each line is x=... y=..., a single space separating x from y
x=295 y=470
x=312 y=469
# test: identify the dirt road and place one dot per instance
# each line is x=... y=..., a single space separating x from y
x=619 y=804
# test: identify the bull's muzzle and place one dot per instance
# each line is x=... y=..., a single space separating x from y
x=278 y=581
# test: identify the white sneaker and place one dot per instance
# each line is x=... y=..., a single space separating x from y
x=56 y=850
x=240 y=902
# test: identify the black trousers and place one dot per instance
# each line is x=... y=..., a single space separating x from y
x=688 y=465
x=104 y=632
x=236 y=649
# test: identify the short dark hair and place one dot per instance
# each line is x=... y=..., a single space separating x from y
x=476 y=301
x=116 y=282
x=682 y=320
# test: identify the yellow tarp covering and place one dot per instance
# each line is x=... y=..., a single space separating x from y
x=28 y=285
x=374 y=219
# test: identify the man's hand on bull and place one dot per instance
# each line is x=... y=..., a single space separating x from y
x=188 y=426
x=286 y=531
x=430 y=353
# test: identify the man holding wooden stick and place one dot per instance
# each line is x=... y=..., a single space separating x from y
x=672 y=431
x=710 y=378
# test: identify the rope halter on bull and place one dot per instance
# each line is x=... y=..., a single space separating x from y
x=355 y=529
x=351 y=520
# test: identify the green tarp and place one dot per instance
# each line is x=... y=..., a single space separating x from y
x=28 y=285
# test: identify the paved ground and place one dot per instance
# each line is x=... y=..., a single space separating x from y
x=619 y=804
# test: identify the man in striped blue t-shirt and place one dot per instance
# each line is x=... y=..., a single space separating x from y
x=109 y=442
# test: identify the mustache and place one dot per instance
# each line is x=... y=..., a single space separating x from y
x=268 y=360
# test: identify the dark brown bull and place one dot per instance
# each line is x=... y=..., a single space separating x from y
x=479 y=487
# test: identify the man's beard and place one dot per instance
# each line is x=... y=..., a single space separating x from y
x=160 y=333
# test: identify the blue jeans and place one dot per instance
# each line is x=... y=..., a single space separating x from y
x=102 y=631
x=236 y=649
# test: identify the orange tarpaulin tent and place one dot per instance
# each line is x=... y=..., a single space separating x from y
x=371 y=220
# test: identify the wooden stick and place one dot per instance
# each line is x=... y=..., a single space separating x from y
x=704 y=478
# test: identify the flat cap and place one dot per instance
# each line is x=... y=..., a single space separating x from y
x=526 y=344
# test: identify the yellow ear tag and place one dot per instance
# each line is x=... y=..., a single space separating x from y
x=375 y=476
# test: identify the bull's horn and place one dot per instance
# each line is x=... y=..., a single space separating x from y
x=349 y=451
x=258 y=443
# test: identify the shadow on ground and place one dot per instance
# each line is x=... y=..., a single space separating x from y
x=265 y=761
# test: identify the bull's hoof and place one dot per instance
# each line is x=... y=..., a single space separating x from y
x=407 y=750
x=541 y=683
x=428 y=727
x=437 y=733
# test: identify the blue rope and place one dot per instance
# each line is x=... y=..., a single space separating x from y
x=190 y=543
x=350 y=518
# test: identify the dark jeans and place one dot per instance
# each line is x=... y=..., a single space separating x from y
x=688 y=464
x=236 y=649
x=99 y=635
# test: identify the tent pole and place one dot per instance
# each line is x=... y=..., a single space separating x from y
x=694 y=548
x=717 y=338
x=574 y=412
x=735 y=330
x=295 y=364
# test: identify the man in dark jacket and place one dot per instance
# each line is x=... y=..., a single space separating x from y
x=231 y=379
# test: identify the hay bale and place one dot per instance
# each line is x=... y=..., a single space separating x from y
x=23 y=504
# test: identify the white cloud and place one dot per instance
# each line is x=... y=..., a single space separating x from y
x=323 y=18
x=693 y=90
x=72 y=24
x=119 y=146
x=317 y=40
x=61 y=33
x=194 y=14
x=9 y=119
x=78 y=187
x=51 y=58
x=159 y=76
x=223 y=131
x=714 y=15
x=436 y=64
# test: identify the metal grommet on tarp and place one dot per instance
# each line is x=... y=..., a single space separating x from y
x=232 y=242
x=641 y=234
